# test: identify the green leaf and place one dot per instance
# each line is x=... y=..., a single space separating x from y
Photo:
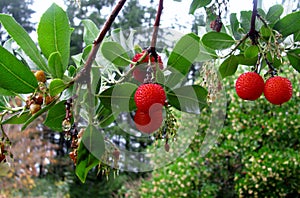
x=246 y=20
x=217 y=40
x=198 y=4
x=104 y=116
x=18 y=118
x=55 y=65
x=119 y=97
x=265 y=32
x=190 y=99
x=90 y=32
x=289 y=24
x=38 y=114
x=56 y=87
x=115 y=53
x=184 y=53
x=18 y=33
x=274 y=13
x=297 y=36
x=55 y=116
x=234 y=24
x=229 y=66
x=54 y=33
x=294 y=58
x=242 y=60
x=4 y=92
x=90 y=151
x=85 y=162
x=251 y=51
x=206 y=54
x=15 y=76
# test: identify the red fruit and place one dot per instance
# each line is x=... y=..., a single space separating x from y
x=278 y=90
x=249 y=86
x=147 y=95
x=140 y=71
x=148 y=122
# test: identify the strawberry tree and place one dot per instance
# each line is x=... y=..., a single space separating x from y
x=112 y=77
x=115 y=77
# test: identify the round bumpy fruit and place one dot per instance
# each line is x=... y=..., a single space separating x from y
x=148 y=122
x=40 y=76
x=278 y=90
x=140 y=71
x=249 y=86
x=147 y=95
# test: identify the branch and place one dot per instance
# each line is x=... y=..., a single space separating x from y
x=152 y=50
x=253 y=34
x=84 y=74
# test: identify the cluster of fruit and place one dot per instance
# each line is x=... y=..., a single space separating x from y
x=149 y=97
x=277 y=90
x=147 y=66
x=35 y=101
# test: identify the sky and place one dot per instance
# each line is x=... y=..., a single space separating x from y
x=171 y=9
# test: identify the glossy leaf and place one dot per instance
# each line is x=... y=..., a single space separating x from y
x=56 y=116
x=90 y=32
x=217 y=40
x=190 y=99
x=38 y=114
x=294 y=58
x=104 y=116
x=198 y=4
x=56 y=87
x=85 y=162
x=297 y=36
x=54 y=33
x=251 y=51
x=18 y=118
x=242 y=60
x=234 y=24
x=119 y=97
x=265 y=32
x=15 y=76
x=289 y=24
x=184 y=53
x=4 y=92
x=229 y=66
x=55 y=65
x=205 y=54
x=19 y=34
x=115 y=53
x=274 y=13
x=246 y=20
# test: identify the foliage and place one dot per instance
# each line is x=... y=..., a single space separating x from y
x=103 y=89
x=256 y=155
x=92 y=101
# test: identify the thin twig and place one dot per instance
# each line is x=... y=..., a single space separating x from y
x=84 y=75
x=253 y=34
x=155 y=29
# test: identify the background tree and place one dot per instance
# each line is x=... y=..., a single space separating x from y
x=21 y=11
